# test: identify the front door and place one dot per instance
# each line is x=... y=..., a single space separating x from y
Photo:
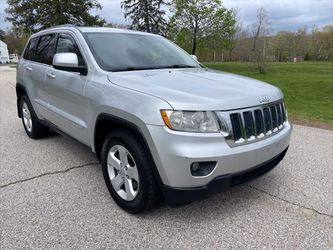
x=66 y=99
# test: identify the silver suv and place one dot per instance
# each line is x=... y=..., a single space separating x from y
x=162 y=125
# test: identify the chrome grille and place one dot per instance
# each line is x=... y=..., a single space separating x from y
x=254 y=124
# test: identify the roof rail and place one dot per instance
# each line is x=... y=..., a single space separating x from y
x=63 y=25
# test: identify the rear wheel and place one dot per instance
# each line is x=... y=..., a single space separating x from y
x=128 y=172
x=32 y=126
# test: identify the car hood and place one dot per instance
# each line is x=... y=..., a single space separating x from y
x=198 y=89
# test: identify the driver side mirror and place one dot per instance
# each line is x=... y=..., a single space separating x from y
x=68 y=62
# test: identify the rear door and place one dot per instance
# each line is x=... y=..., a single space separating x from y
x=42 y=61
x=66 y=99
x=34 y=77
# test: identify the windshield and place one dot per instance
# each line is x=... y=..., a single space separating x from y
x=125 y=52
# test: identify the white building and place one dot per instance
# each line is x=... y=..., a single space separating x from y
x=4 y=57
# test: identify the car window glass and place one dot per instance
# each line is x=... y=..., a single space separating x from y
x=45 y=49
x=29 y=53
x=67 y=44
x=136 y=51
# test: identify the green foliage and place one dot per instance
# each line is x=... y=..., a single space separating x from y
x=146 y=15
x=34 y=15
x=307 y=57
x=183 y=38
x=315 y=44
x=307 y=86
x=15 y=40
x=208 y=21
x=2 y=34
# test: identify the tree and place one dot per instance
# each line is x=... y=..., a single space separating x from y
x=117 y=25
x=236 y=35
x=260 y=32
x=322 y=43
x=2 y=34
x=146 y=15
x=15 y=40
x=182 y=37
x=260 y=28
x=204 y=18
x=34 y=15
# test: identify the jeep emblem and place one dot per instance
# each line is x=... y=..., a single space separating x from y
x=264 y=99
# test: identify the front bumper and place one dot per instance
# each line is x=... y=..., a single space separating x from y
x=174 y=152
x=181 y=196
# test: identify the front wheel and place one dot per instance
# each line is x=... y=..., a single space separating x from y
x=128 y=172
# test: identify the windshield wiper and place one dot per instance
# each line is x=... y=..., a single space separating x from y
x=175 y=66
x=180 y=66
x=133 y=68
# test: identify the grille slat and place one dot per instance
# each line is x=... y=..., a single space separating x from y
x=274 y=117
x=237 y=125
x=283 y=112
x=279 y=116
x=248 y=125
x=259 y=122
x=267 y=120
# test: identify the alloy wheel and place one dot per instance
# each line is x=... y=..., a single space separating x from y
x=26 y=117
x=123 y=172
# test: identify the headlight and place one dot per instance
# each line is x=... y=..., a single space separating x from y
x=191 y=121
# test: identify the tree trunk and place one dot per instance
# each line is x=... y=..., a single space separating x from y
x=194 y=47
x=214 y=51
x=147 y=17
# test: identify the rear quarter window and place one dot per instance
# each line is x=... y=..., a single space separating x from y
x=30 y=51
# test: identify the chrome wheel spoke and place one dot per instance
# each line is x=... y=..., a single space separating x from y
x=113 y=161
x=129 y=189
x=132 y=173
x=117 y=182
x=123 y=155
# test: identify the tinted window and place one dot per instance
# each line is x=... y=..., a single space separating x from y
x=29 y=53
x=45 y=49
x=119 y=52
x=67 y=44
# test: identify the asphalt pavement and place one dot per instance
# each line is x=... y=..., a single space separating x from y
x=53 y=196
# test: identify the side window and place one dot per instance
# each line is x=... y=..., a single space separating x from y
x=29 y=52
x=67 y=44
x=45 y=49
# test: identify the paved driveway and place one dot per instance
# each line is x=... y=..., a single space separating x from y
x=52 y=195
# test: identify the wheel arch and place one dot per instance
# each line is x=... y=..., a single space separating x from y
x=20 y=91
x=106 y=122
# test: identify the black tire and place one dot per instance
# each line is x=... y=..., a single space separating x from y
x=148 y=195
x=38 y=130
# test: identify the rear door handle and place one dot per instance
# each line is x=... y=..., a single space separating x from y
x=28 y=68
x=51 y=75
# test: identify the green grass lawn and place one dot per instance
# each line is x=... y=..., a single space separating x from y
x=307 y=87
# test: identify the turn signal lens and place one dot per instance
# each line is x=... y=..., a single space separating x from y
x=166 y=118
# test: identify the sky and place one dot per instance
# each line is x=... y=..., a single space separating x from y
x=287 y=15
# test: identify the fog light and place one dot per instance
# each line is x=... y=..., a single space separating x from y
x=195 y=166
x=202 y=168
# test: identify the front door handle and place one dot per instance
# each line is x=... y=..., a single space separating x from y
x=28 y=68
x=51 y=75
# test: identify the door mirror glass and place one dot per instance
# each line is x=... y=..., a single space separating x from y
x=68 y=62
